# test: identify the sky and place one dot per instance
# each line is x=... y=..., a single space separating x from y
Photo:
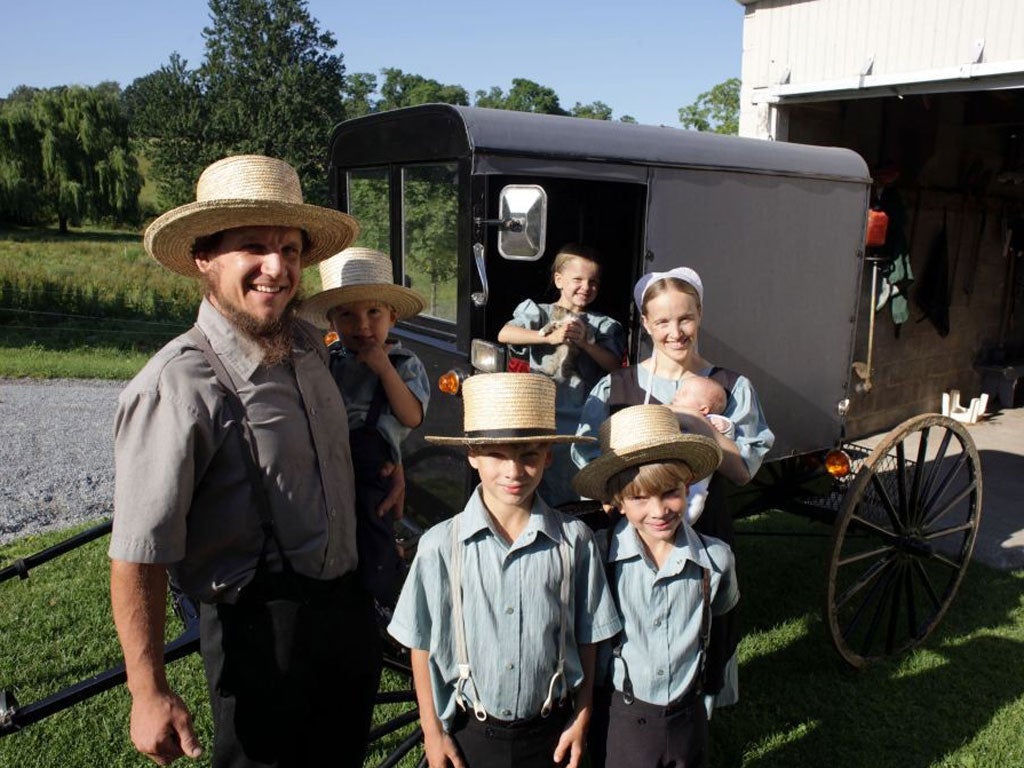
x=644 y=58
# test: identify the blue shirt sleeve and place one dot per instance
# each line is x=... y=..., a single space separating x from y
x=528 y=315
x=753 y=436
x=595 y=411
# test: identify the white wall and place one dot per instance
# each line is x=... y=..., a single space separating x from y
x=837 y=49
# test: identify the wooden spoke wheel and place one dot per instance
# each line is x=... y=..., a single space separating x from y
x=903 y=538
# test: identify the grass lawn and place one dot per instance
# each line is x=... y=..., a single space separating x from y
x=957 y=702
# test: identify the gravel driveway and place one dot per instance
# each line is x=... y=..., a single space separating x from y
x=56 y=453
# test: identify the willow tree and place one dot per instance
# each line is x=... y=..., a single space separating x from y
x=66 y=152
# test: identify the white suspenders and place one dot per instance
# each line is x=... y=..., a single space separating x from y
x=459 y=626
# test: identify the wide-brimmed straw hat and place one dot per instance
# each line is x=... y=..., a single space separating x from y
x=357 y=274
x=644 y=434
x=508 y=408
x=246 y=191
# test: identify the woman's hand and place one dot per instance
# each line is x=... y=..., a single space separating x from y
x=732 y=466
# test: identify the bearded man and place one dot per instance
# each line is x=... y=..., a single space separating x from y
x=234 y=482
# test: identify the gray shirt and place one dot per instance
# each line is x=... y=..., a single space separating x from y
x=182 y=494
x=511 y=604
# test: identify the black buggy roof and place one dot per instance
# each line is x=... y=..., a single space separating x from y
x=442 y=131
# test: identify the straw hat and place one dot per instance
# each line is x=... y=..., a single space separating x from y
x=644 y=434
x=508 y=408
x=357 y=274
x=685 y=274
x=246 y=191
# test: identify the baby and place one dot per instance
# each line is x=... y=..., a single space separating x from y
x=699 y=393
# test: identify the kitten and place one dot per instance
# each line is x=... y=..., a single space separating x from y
x=561 y=363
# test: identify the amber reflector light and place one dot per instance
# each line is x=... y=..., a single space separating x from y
x=449 y=383
x=837 y=463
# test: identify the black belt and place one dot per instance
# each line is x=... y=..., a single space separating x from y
x=685 y=701
x=278 y=585
x=557 y=714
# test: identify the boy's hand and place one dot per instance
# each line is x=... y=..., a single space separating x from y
x=395 y=500
x=375 y=357
x=442 y=751
x=571 y=743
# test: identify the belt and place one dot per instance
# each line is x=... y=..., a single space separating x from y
x=559 y=711
x=685 y=701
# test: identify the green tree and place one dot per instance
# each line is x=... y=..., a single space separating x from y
x=66 y=152
x=402 y=89
x=166 y=112
x=357 y=98
x=595 y=110
x=523 y=96
x=269 y=84
x=717 y=110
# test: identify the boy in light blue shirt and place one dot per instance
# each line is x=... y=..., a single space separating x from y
x=505 y=602
x=669 y=583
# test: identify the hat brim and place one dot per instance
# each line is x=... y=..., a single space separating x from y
x=469 y=442
x=169 y=238
x=701 y=454
x=406 y=302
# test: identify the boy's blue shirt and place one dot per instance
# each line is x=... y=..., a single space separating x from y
x=511 y=605
x=358 y=384
x=662 y=610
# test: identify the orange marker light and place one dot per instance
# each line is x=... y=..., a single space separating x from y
x=450 y=383
x=837 y=463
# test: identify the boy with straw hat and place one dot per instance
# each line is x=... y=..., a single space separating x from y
x=385 y=388
x=668 y=583
x=505 y=601
x=234 y=481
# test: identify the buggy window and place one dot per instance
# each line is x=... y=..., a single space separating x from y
x=368 y=201
x=429 y=220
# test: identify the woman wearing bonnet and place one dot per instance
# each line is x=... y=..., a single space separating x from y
x=671 y=305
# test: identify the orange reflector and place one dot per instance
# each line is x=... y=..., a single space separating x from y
x=449 y=382
x=330 y=337
x=837 y=463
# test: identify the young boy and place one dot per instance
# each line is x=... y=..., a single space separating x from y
x=385 y=389
x=706 y=396
x=668 y=582
x=505 y=601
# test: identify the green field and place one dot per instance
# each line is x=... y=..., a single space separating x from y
x=91 y=304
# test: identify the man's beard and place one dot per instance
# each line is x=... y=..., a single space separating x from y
x=274 y=337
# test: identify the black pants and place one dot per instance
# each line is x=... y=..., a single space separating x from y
x=642 y=735
x=492 y=744
x=292 y=677
x=379 y=564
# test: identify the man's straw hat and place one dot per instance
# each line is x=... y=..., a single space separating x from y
x=508 y=408
x=246 y=191
x=644 y=434
x=357 y=274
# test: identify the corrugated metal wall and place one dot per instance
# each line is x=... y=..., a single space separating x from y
x=820 y=40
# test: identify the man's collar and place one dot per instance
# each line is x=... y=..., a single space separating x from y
x=237 y=349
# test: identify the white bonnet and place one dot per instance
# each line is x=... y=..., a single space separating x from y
x=681 y=273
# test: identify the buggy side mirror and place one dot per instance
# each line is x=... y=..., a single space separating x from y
x=523 y=212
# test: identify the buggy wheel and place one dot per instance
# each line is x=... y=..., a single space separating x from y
x=903 y=538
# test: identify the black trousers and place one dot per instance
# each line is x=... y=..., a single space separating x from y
x=642 y=735
x=379 y=564
x=493 y=744
x=292 y=673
